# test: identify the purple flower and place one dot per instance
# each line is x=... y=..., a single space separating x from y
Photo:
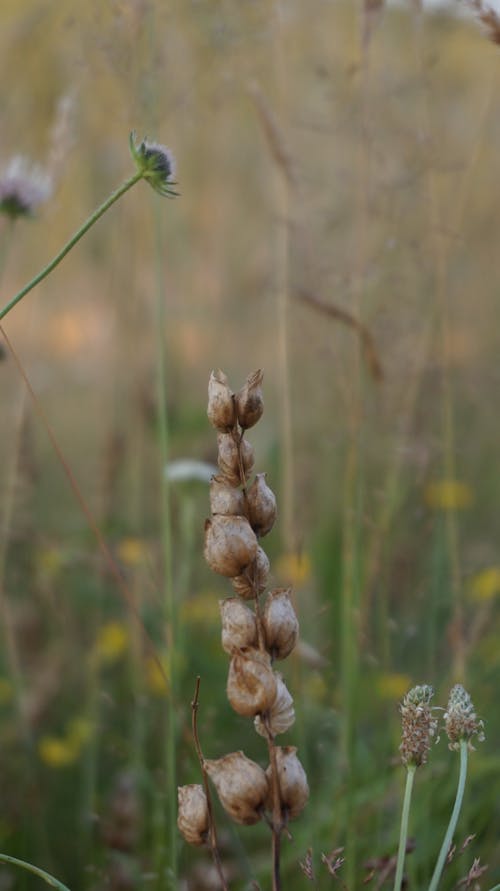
x=23 y=186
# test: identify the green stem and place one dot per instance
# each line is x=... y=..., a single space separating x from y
x=445 y=847
x=4 y=858
x=496 y=888
x=71 y=243
x=403 y=835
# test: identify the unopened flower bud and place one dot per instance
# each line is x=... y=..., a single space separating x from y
x=225 y=499
x=280 y=623
x=242 y=786
x=221 y=409
x=418 y=725
x=239 y=626
x=192 y=818
x=249 y=401
x=261 y=502
x=254 y=579
x=460 y=719
x=230 y=455
x=156 y=164
x=281 y=715
x=230 y=545
x=251 y=683
x=294 y=790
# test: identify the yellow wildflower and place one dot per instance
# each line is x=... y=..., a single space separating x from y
x=295 y=569
x=132 y=551
x=392 y=686
x=448 y=495
x=486 y=584
x=202 y=607
x=157 y=679
x=111 y=643
x=57 y=751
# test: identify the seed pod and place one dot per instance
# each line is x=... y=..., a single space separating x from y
x=242 y=786
x=254 y=578
x=230 y=545
x=229 y=456
x=280 y=623
x=281 y=715
x=251 y=683
x=261 y=502
x=249 y=401
x=192 y=817
x=221 y=409
x=239 y=626
x=294 y=790
x=225 y=499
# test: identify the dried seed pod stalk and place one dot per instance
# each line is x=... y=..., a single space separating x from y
x=242 y=786
x=192 y=815
x=242 y=513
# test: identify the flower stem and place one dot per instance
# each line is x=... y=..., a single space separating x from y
x=73 y=240
x=445 y=847
x=4 y=858
x=410 y=776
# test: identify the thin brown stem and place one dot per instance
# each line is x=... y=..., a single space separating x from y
x=212 y=827
x=277 y=821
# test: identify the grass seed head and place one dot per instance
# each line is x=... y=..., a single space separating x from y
x=460 y=719
x=418 y=725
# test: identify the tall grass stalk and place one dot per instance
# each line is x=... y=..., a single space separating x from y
x=403 y=835
x=28 y=867
x=166 y=538
x=445 y=847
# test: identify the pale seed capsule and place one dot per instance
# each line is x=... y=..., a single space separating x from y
x=280 y=623
x=281 y=715
x=294 y=790
x=230 y=544
x=239 y=626
x=249 y=401
x=192 y=817
x=254 y=579
x=225 y=499
x=251 y=683
x=229 y=455
x=221 y=409
x=261 y=502
x=242 y=786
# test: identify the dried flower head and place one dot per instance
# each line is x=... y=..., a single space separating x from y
x=280 y=622
x=156 y=163
x=192 y=816
x=281 y=714
x=241 y=785
x=251 y=682
x=239 y=625
x=261 y=506
x=230 y=544
x=221 y=409
x=23 y=187
x=418 y=725
x=460 y=719
x=249 y=401
x=294 y=789
x=254 y=579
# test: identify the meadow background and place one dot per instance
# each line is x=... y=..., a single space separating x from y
x=338 y=165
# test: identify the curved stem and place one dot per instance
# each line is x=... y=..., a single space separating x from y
x=71 y=243
x=4 y=858
x=213 y=830
x=445 y=847
x=410 y=776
